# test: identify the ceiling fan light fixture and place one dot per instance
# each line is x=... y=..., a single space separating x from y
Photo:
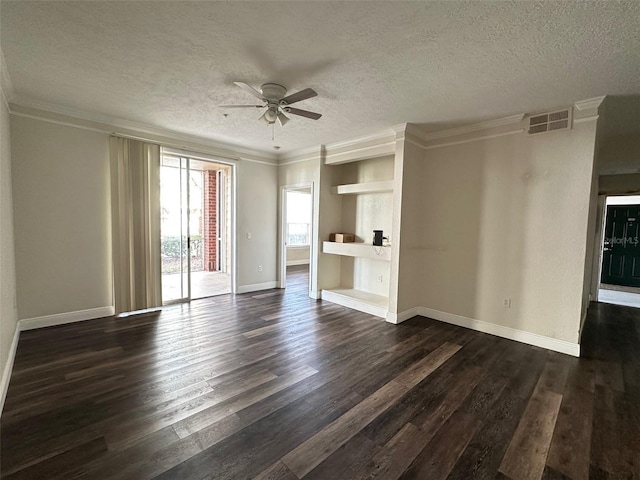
x=282 y=119
x=269 y=117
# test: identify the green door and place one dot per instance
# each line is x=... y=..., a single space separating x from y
x=621 y=256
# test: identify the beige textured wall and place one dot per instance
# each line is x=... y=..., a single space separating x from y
x=257 y=211
x=412 y=235
x=298 y=255
x=507 y=217
x=62 y=218
x=8 y=312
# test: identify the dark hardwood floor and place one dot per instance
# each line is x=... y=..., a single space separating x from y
x=275 y=385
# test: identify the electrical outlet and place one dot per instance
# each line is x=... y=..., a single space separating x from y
x=259 y=268
x=506 y=303
x=380 y=278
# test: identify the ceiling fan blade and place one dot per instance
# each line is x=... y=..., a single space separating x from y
x=241 y=106
x=299 y=96
x=250 y=89
x=303 y=113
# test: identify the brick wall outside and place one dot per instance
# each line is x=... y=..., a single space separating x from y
x=209 y=215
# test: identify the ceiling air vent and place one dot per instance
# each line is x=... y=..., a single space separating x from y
x=548 y=122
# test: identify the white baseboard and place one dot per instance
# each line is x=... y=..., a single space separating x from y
x=256 y=287
x=402 y=316
x=63 y=318
x=8 y=368
x=522 y=336
x=355 y=303
x=297 y=262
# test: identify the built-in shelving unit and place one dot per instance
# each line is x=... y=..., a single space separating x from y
x=368 y=187
x=360 y=201
x=359 y=250
x=370 y=303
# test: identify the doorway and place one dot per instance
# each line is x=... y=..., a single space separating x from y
x=620 y=259
x=195 y=229
x=297 y=237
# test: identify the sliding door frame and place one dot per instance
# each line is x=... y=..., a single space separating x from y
x=232 y=241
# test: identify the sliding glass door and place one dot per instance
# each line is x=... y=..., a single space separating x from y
x=174 y=229
x=195 y=205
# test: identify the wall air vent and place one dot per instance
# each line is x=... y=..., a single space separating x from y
x=548 y=122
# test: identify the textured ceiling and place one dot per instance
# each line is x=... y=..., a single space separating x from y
x=373 y=64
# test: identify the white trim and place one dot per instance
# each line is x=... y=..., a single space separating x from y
x=301 y=155
x=245 y=159
x=301 y=160
x=474 y=139
x=281 y=269
x=108 y=124
x=521 y=336
x=17 y=113
x=363 y=153
x=589 y=103
x=64 y=318
x=304 y=261
x=403 y=316
x=373 y=137
x=585 y=119
x=6 y=86
x=354 y=303
x=207 y=157
x=256 y=287
x=8 y=368
x=455 y=132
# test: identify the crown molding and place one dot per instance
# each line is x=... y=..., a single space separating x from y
x=589 y=103
x=6 y=86
x=301 y=155
x=118 y=126
x=474 y=127
x=354 y=143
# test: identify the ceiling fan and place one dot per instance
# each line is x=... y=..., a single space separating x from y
x=276 y=103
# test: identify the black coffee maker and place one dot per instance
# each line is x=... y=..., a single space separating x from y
x=377 y=238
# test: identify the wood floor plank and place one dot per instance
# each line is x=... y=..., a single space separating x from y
x=311 y=453
x=571 y=444
x=396 y=456
x=277 y=471
x=527 y=453
x=441 y=454
x=227 y=387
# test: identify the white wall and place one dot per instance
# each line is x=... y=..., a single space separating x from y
x=507 y=217
x=8 y=311
x=62 y=218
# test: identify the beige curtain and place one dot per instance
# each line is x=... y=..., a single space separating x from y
x=135 y=199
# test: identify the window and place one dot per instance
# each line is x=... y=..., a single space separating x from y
x=298 y=218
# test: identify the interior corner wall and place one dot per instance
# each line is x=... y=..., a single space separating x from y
x=594 y=231
x=61 y=194
x=409 y=293
x=256 y=214
x=507 y=217
x=8 y=310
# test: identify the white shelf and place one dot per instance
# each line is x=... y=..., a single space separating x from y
x=370 y=187
x=358 y=300
x=360 y=250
